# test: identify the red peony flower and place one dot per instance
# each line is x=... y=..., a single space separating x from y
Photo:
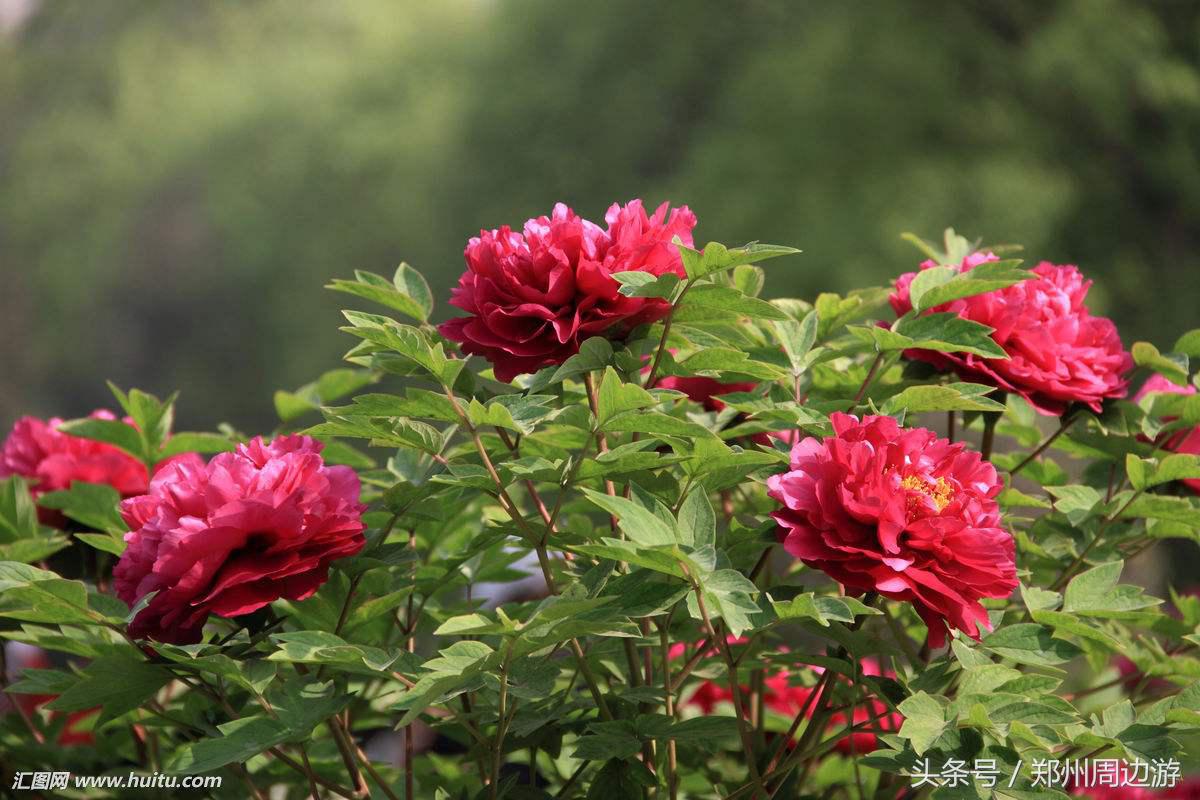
x=534 y=296
x=230 y=536
x=51 y=460
x=1058 y=353
x=900 y=512
x=1186 y=441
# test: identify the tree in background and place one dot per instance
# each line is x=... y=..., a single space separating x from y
x=178 y=178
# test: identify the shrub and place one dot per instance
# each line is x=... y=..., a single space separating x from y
x=665 y=538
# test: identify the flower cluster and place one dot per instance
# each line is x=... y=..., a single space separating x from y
x=1058 y=353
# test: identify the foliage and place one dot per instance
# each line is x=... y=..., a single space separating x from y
x=643 y=516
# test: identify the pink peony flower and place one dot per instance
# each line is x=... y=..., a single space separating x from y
x=51 y=460
x=900 y=512
x=534 y=296
x=230 y=536
x=1187 y=441
x=1058 y=353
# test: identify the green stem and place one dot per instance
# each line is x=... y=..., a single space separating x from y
x=662 y=341
x=1066 y=422
x=990 y=418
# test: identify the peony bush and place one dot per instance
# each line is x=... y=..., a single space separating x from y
x=622 y=528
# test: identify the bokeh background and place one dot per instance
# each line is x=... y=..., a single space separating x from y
x=179 y=178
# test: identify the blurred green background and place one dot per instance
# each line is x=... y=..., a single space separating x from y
x=179 y=178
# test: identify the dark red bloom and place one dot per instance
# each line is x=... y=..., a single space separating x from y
x=230 y=536
x=1058 y=353
x=534 y=296
x=900 y=512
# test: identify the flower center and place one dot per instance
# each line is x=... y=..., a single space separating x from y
x=940 y=492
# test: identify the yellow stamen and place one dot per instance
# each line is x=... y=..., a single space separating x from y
x=940 y=492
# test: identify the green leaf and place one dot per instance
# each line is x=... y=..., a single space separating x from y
x=18 y=516
x=594 y=354
x=118 y=683
x=614 y=397
x=1188 y=344
x=696 y=520
x=408 y=294
x=924 y=721
x=638 y=524
x=943 y=287
x=240 y=740
x=412 y=284
x=151 y=417
x=797 y=339
x=728 y=595
x=110 y=431
x=92 y=504
x=1096 y=593
x=1030 y=643
x=821 y=608
x=656 y=422
x=103 y=542
x=717 y=258
x=715 y=360
x=944 y=332
x=195 y=442
x=1145 y=473
x=35 y=595
x=1172 y=366
x=947 y=397
x=1164 y=507
x=726 y=298
x=643 y=284
x=321 y=647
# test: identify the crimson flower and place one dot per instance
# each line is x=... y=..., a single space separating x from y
x=533 y=296
x=1058 y=353
x=900 y=512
